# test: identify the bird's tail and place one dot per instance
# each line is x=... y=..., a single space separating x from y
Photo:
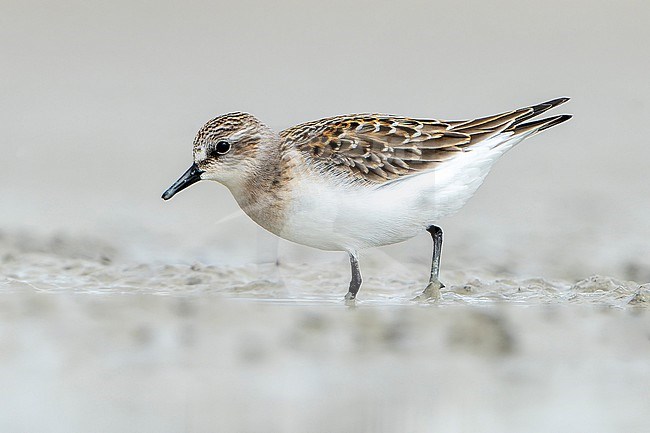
x=521 y=126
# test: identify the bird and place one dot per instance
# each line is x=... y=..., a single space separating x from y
x=351 y=182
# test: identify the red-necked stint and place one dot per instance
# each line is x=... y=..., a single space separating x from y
x=350 y=182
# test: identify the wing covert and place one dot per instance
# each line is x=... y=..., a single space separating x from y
x=378 y=148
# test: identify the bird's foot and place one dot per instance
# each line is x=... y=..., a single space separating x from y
x=350 y=299
x=431 y=292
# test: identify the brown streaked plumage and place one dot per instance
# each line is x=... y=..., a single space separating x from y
x=377 y=148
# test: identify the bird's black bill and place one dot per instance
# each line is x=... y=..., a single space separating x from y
x=191 y=176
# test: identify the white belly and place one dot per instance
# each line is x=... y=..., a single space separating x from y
x=331 y=216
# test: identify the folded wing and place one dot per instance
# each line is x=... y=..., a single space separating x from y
x=378 y=148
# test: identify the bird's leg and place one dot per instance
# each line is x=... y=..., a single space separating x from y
x=355 y=282
x=432 y=291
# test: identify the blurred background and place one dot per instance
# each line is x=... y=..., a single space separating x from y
x=99 y=104
x=101 y=101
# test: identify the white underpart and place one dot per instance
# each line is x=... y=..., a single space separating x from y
x=330 y=215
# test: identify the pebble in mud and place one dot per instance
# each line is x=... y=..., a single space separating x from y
x=642 y=297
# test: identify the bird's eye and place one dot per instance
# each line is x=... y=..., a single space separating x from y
x=221 y=148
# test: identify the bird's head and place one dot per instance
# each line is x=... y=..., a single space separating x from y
x=226 y=150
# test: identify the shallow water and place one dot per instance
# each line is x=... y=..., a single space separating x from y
x=300 y=288
x=77 y=266
x=101 y=344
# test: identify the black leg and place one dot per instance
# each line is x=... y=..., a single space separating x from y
x=436 y=236
x=432 y=291
x=355 y=282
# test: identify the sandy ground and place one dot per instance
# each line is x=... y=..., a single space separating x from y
x=123 y=313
